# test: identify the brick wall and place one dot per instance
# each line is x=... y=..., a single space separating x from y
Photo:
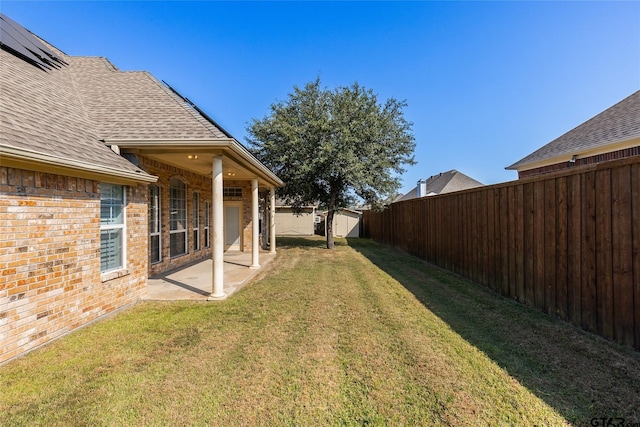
x=203 y=185
x=50 y=281
x=557 y=167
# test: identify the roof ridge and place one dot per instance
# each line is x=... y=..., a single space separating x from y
x=80 y=98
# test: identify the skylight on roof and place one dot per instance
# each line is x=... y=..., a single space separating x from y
x=15 y=39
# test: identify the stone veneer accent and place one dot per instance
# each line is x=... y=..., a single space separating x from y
x=50 y=281
x=201 y=184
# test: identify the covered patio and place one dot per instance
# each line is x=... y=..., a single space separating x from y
x=228 y=179
x=193 y=281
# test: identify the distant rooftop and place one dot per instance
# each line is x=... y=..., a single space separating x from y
x=445 y=182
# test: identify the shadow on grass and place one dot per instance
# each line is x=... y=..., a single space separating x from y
x=580 y=375
x=307 y=242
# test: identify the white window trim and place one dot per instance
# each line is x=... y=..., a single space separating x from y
x=232 y=192
x=122 y=269
x=185 y=231
x=207 y=223
x=159 y=232
x=197 y=245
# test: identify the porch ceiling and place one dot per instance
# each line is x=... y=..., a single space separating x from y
x=197 y=156
x=201 y=163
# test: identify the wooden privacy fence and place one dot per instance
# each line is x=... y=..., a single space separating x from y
x=566 y=244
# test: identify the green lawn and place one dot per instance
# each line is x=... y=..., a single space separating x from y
x=362 y=335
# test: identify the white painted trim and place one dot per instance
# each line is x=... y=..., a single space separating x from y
x=195 y=210
x=184 y=231
x=123 y=228
x=207 y=224
x=11 y=155
x=159 y=232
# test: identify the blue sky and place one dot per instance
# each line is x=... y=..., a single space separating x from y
x=486 y=82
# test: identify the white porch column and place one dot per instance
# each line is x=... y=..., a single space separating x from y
x=272 y=220
x=255 y=225
x=218 y=232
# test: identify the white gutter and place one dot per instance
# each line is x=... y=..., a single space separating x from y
x=15 y=154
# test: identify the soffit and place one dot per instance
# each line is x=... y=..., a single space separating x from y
x=202 y=164
x=198 y=158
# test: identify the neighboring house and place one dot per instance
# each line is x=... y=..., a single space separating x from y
x=346 y=223
x=612 y=134
x=107 y=177
x=291 y=223
x=445 y=182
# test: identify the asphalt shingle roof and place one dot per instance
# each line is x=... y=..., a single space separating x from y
x=135 y=105
x=42 y=111
x=65 y=112
x=618 y=123
x=445 y=182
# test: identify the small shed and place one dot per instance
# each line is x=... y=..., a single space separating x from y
x=290 y=223
x=346 y=223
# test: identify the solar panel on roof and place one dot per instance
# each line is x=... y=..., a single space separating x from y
x=17 y=40
x=8 y=39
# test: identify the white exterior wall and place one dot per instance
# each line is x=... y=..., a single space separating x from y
x=346 y=224
x=290 y=224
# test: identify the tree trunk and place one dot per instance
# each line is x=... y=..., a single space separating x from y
x=330 y=243
x=330 y=212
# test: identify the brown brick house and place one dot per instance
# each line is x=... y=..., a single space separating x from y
x=612 y=134
x=107 y=177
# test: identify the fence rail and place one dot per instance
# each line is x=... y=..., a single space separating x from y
x=567 y=244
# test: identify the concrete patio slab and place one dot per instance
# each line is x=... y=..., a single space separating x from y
x=193 y=282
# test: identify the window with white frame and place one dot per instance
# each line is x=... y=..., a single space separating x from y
x=207 y=215
x=155 y=225
x=232 y=192
x=196 y=221
x=112 y=227
x=178 y=217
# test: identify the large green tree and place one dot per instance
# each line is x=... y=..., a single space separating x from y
x=330 y=146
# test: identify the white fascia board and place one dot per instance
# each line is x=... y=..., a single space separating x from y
x=177 y=144
x=12 y=155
